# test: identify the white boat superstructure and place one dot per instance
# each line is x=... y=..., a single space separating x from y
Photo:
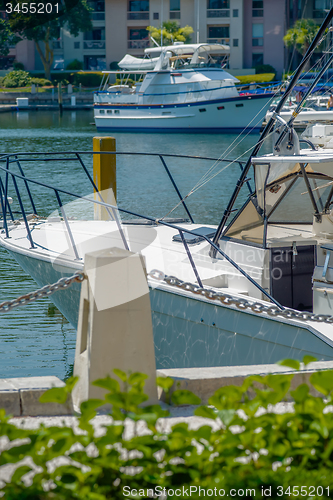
x=188 y=89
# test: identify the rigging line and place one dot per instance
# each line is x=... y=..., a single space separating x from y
x=241 y=135
x=223 y=155
x=193 y=190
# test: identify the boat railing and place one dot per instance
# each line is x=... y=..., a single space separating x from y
x=112 y=210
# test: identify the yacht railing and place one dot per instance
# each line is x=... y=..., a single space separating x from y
x=16 y=159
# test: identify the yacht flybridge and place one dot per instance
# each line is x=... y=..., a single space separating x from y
x=186 y=88
x=254 y=289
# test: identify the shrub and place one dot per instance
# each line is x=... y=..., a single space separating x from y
x=16 y=79
x=248 y=445
x=18 y=65
x=264 y=68
x=91 y=79
x=261 y=78
x=40 y=81
x=114 y=66
x=75 y=65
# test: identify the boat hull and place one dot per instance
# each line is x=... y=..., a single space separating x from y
x=194 y=332
x=220 y=115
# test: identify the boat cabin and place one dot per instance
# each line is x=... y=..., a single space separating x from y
x=290 y=217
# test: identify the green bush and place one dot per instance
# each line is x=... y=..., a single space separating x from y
x=264 y=68
x=75 y=65
x=40 y=81
x=16 y=79
x=261 y=78
x=244 y=444
x=18 y=65
x=89 y=79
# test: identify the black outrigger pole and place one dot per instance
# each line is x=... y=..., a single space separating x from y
x=268 y=128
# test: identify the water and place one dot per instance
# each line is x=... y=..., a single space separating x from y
x=36 y=340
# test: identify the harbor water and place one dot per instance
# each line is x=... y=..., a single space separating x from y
x=35 y=339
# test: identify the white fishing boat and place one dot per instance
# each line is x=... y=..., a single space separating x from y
x=188 y=90
x=255 y=289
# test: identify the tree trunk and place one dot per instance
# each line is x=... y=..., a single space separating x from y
x=47 y=58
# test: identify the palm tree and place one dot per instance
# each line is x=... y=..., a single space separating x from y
x=301 y=35
x=171 y=32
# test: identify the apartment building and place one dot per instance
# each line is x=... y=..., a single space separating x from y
x=254 y=29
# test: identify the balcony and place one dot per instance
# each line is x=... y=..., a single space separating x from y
x=94 y=44
x=218 y=13
x=223 y=41
x=98 y=16
x=134 y=16
x=138 y=44
x=174 y=14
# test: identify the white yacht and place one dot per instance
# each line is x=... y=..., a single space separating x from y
x=255 y=289
x=188 y=90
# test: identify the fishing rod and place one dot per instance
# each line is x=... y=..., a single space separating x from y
x=317 y=39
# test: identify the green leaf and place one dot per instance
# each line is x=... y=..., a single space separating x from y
x=55 y=395
x=122 y=375
x=165 y=383
x=20 y=471
x=290 y=363
x=71 y=382
x=108 y=383
x=226 y=416
x=137 y=378
x=185 y=397
x=322 y=381
x=90 y=405
x=206 y=412
x=301 y=393
x=308 y=359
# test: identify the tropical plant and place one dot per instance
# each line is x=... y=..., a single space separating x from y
x=171 y=32
x=16 y=79
x=301 y=35
x=75 y=64
x=45 y=27
x=253 y=443
x=7 y=37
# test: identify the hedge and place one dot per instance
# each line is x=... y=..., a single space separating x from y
x=261 y=78
x=243 y=445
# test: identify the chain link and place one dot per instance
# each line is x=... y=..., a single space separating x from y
x=46 y=291
x=242 y=304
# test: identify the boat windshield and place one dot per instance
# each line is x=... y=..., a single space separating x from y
x=286 y=201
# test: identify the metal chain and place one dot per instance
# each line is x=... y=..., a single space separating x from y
x=46 y=291
x=242 y=304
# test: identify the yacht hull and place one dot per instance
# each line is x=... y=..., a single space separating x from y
x=232 y=114
x=194 y=332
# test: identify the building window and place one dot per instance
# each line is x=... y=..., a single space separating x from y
x=98 y=7
x=218 y=34
x=138 y=9
x=138 y=38
x=218 y=8
x=235 y=13
x=257 y=60
x=174 y=9
x=156 y=16
x=257 y=35
x=320 y=8
x=95 y=63
x=76 y=45
x=257 y=8
x=235 y=42
x=94 y=39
